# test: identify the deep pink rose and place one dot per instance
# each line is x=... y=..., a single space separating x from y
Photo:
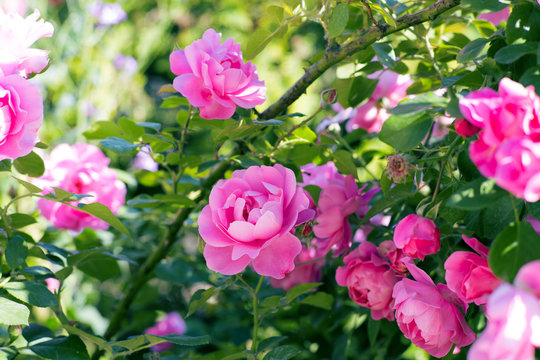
x=496 y=17
x=417 y=236
x=17 y=34
x=80 y=169
x=391 y=89
x=387 y=250
x=465 y=128
x=429 y=314
x=171 y=324
x=21 y=115
x=249 y=219
x=308 y=272
x=476 y=107
x=214 y=77
x=370 y=280
x=468 y=274
x=513 y=326
x=339 y=199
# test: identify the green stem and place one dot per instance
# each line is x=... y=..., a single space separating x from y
x=256 y=317
x=514 y=206
x=305 y=122
x=5 y=210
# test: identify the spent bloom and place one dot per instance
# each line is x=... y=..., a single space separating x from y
x=105 y=13
x=17 y=34
x=429 y=315
x=21 y=115
x=79 y=169
x=214 y=77
x=417 y=236
x=171 y=324
x=370 y=280
x=249 y=220
x=398 y=168
x=468 y=274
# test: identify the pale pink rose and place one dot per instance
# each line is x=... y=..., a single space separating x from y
x=21 y=115
x=339 y=199
x=465 y=128
x=17 y=34
x=417 y=236
x=14 y=6
x=496 y=17
x=171 y=324
x=370 y=280
x=52 y=284
x=249 y=220
x=468 y=274
x=527 y=278
x=391 y=89
x=429 y=314
x=309 y=272
x=388 y=250
x=341 y=116
x=79 y=169
x=513 y=326
x=214 y=77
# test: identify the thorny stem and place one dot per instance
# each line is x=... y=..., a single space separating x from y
x=255 y=295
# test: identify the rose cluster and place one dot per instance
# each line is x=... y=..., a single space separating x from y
x=508 y=145
x=21 y=105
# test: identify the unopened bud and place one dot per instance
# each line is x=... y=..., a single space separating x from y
x=465 y=128
x=328 y=97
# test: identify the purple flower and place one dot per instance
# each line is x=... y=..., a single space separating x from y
x=125 y=63
x=144 y=161
x=172 y=324
x=106 y=14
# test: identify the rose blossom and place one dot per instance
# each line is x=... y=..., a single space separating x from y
x=465 y=128
x=387 y=250
x=496 y=17
x=468 y=274
x=249 y=220
x=527 y=278
x=79 y=169
x=17 y=34
x=390 y=90
x=52 y=284
x=429 y=314
x=171 y=324
x=214 y=77
x=369 y=279
x=304 y=273
x=21 y=115
x=417 y=236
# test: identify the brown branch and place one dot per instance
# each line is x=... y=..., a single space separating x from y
x=335 y=54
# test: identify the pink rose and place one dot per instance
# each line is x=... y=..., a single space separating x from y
x=476 y=107
x=80 y=169
x=21 y=115
x=465 y=128
x=513 y=327
x=496 y=17
x=214 y=77
x=387 y=250
x=468 y=274
x=391 y=89
x=249 y=220
x=417 y=236
x=14 y=6
x=18 y=34
x=311 y=263
x=527 y=278
x=339 y=199
x=319 y=175
x=171 y=324
x=429 y=314
x=369 y=279
x=52 y=284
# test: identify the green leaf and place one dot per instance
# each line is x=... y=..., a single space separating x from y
x=100 y=266
x=475 y=195
x=150 y=125
x=118 y=145
x=385 y=54
x=515 y=246
x=270 y=342
x=13 y=313
x=38 y=272
x=102 y=130
x=30 y=187
x=345 y=163
x=18 y=220
x=31 y=293
x=260 y=39
x=319 y=299
x=491 y=5
x=104 y=213
x=304 y=132
x=130 y=128
x=471 y=50
x=174 y=101
x=523 y=23
x=5 y=165
x=512 y=53
x=387 y=17
x=62 y=348
x=31 y=165
x=314 y=191
x=36 y=331
x=373 y=327
x=75 y=259
x=199 y=299
x=298 y=290
x=405 y=132
x=61 y=194
x=419 y=104
x=338 y=20
x=361 y=88
x=237 y=132
x=283 y=352
x=179 y=339
x=16 y=252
